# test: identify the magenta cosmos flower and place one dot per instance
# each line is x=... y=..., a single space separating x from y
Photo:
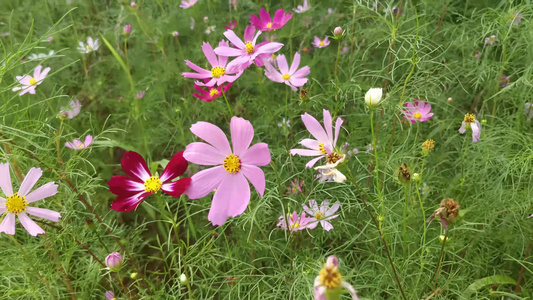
x=233 y=168
x=329 y=283
x=264 y=21
x=17 y=204
x=219 y=72
x=211 y=93
x=189 y=3
x=231 y=25
x=292 y=77
x=132 y=191
x=322 y=213
x=78 y=145
x=294 y=222
x=29 y=83
x=417 y=111
x=470 y=122
x=318 y=43
x=324 y=143
x=246 y=51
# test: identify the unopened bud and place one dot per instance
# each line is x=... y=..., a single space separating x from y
x=133 y=5
x=450 y=100
x=416 y=177
x=114 y=261
x=175 y=34
x=127 y=29
x=183 y=278
x=338 y=32
x=133 y=275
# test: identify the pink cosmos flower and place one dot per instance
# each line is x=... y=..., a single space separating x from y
x=417 y=111
x=233 y=168
x=16 y=204
x=265 y=22
x=321 y=214
x=470 y=122
x=324 y=143
x=231 y=25
x=219 y=72
x=110 y=295
x=140 y=94
x=78 y=145
x=292 y=77
x=329 y=284
x=188 y=3
x=318 y=43
x=29 y=83
x=294 y=221
x=75 y=107
x=212 y=93
x=296 y=187
x=246 y=51
x=175 y=34
x=132 y=191
x=302 y=8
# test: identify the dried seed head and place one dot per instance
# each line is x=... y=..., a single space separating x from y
x=450 y=209
x=404 y=175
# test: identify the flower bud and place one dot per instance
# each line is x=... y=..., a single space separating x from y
x=373 y=97
x=450 y=100
x=416 y=177
x=114 y=260
x=133 y=5
x=183 y=278
x=127 y=29
x=175 y=34
x=338 y=32
x=133 y=276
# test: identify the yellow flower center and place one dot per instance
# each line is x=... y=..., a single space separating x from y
x=16 y=203
x=213 y=92
x=89 y=47
x=81 y=145
x=273 y=56
x=217 y=72
x=269 y=25
x=321 y=149
x=330 y=277
x=428 y=145
x=286 y=77
x=33 y=81
x=417 y=115
x=319 y=216
x=469 y=118
x=249 y=48
x=321 y=43
x=232 y=163
x=295 y=225
x=153 y=184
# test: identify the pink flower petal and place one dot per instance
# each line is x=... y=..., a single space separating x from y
x=176 y=188
x=242 y=133
x=213 y=135
x=304 y=71
x=256 y=176
x=282 y=64
x=135 y=166
x=45 y=191
x=127 y=203
x=234 y=39
x=44 y=213
x=205 y=181
x=37 y=72
x=203 y=154
x=29 y=225
x=257 y=155
x=230 y=199
x=210 y=54
x=42 y=75
x=338 y=125
x=326 y=225
x=295 y=63
x=305 y=152
x=311 y=144
x=249 y=33
x=8 y=224
x=328 y=124
x=29 y=181
x=265 y=16
x=5 y=180
x=312 y=162
x=314 y=127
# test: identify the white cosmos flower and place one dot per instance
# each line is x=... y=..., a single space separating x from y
x=92 y=45
x=373 y=97
x=40 y=56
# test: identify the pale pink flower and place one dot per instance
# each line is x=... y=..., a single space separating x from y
x=140 y=94
x=78 y=145
x=188 y=3
x=175 y=34
x=246 y=51
x=319 y=43
x=29 y=83
x=294 y=222
x=73 y=109
x=17 y=204
x=233 y=168
x=321 y=214
x=296 y=187
x=470 y=122
x=292 y=77
x=110 y=295
x=324 y=143
x=329 y=283
x=417 y=111
x=219 y=73
x=302 y=8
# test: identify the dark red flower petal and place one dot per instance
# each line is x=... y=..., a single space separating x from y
x=175 y=167
x=127 y=203
x=135 y=166
x=176 y=188
x=121 y=185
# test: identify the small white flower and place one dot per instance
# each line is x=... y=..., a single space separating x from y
x=40 y=56
x=92 y=45
x=373 y=97
x=210 y=29
x=183 y=278
x=284 y=123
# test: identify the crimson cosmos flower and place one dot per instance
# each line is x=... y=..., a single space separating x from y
x=132 y=191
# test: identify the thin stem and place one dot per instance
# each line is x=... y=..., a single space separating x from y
x=406 y=195
x=376 y=169
x=519 y=280
x=337 y=60
x=126 y=54
x=123 y=286
x=441 y=256
x=227 y=103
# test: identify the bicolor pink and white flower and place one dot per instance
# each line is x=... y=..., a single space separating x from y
x=29 y=83
x=302 y=8
x=418 y=111
x=329 y=283
x=265 y=23
x=292 y=77
x=232 y=170
x=78 y=145
x=92 y=45
x=73 y=109
x=18 y=204
x=187 y=3
x=323 y=146
x=320 y=43
x=132 y=190
x=470 y=122
x=219 y=72
x=246 y=51
x=322 y=214
x=211 y=93
x=294 y=222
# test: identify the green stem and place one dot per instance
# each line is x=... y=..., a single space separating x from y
x=406 y=195
x=337 y=61
x=437 y=272
x=376 y=169
x=227 y=103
